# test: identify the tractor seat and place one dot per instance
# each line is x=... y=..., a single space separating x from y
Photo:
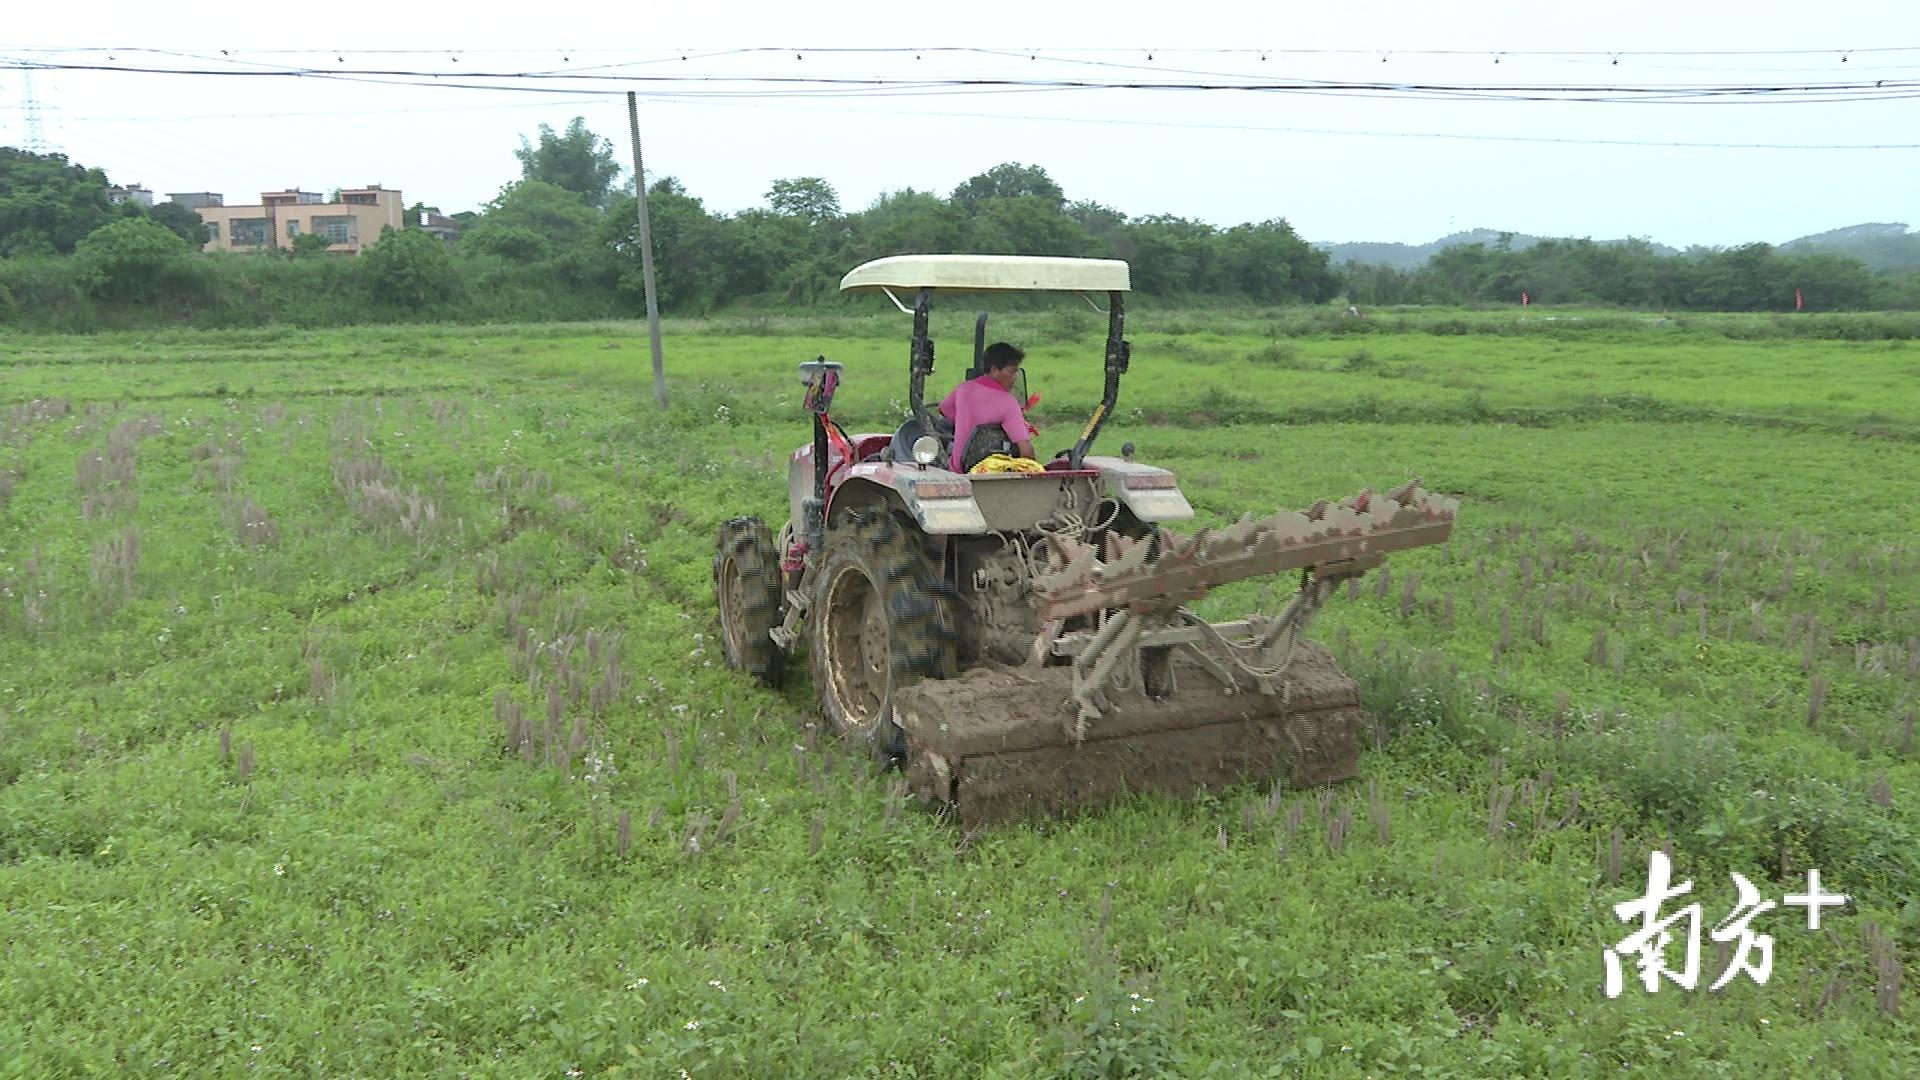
x=988 y=439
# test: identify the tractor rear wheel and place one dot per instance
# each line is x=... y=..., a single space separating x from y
x=882 y=619
x=746 y=582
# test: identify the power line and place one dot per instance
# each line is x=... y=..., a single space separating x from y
x=1347 y=132
x=771 y=85
x=1031 y=52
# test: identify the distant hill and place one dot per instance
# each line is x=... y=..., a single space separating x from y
x=1881 y=245
x=1408 y=256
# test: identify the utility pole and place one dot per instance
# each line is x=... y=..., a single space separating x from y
x=646 y=253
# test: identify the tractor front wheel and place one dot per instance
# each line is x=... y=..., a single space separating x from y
x=882 y=619
x=746 y=583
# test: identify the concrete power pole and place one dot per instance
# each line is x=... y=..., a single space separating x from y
x=646 y=253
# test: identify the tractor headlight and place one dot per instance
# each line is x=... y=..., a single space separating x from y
x=926 y=449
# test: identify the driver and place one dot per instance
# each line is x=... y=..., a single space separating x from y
x=989 y=400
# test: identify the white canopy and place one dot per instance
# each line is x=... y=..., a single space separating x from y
x=977 y=273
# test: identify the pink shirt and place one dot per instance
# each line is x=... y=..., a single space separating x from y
x=977 y=402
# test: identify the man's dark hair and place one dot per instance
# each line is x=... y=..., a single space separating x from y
x=1001 y=355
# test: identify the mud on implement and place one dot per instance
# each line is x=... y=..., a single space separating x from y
x=1023 y=643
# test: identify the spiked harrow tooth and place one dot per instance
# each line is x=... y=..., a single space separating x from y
x=1384 y=512
x=1241 y=532
x=1318 y=510
x=1077 y=571
x=1289 y=528
x=1131 y=562
x=1062 y=552
x=1344 y=522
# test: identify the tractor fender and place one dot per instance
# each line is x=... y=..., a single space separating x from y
x=1151 y=493
x=938 y=501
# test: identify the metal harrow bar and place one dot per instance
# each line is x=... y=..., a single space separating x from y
x=1145 y=585
x=1170 y=571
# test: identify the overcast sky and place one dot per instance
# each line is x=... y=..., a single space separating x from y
x=1338 y=166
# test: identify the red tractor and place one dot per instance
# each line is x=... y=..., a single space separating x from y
x=1021 y=641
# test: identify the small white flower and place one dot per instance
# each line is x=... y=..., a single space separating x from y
x=256 y=1048
x=279 y=869
x=715 y=983
x=693 y=1025
x=1133 y=1008
x=637 y=984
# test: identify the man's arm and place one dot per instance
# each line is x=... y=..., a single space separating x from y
x=1015 y=425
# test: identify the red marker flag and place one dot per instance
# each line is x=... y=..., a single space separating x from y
x=1799 y=303
x=1524 y=298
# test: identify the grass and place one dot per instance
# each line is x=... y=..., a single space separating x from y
x=360 y=713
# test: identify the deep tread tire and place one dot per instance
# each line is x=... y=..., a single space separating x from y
x=746 y=585
x=877 y=582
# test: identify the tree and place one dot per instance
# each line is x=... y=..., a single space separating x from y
x=1011 y=180
x=1270 y=264
x=417 y=213
x=1168 y=255
x=907 y=222
x=123 y=260
x=530 y=221
x=691 y=248
x=578 y=161
x=809 y=198
x=182 y=221
x=772 y=252
x=1098 y=219
x=549 y=211
x=514 y=243
x=310 y=245
x=47 y=204
x=409 y=268
x=1027 y=225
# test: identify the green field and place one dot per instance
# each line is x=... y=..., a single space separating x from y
x=275 y=603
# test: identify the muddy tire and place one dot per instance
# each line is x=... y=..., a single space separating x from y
x=882 y=619
x=746 y=585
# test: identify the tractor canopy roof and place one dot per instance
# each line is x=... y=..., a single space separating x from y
x=987 y=273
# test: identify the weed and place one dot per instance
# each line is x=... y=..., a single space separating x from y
x=1281 y=354
x=249 y=523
